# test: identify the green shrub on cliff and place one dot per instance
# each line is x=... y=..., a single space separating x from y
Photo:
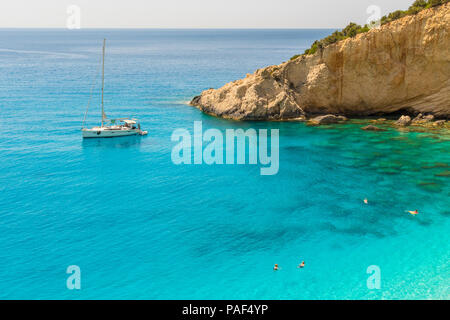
x=349 y=31
x=354 y=29
x=415 y=8
x=434 y=3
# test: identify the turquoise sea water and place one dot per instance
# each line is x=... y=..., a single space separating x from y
x=141 y=227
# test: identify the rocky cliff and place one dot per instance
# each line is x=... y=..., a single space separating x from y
x=404 y=66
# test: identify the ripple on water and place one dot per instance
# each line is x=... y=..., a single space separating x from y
x=435 y=165
x=430 y=186
x=443 y=174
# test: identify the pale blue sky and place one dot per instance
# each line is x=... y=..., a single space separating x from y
x=193 y=13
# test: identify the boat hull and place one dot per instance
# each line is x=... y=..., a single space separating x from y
x=102 y=133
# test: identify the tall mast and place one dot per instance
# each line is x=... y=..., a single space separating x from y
x=103 y=78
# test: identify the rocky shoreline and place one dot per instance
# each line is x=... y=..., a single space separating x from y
x=402 y=68
x=420 y=121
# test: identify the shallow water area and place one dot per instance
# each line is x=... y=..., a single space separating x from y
x=141 y=227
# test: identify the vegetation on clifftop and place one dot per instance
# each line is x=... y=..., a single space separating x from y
x=353 y=29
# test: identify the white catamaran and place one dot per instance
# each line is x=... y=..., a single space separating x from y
x=110 y=128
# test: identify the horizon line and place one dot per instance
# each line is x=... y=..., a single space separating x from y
x=171 y=28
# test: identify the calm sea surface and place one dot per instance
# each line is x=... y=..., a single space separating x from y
x=141 y=227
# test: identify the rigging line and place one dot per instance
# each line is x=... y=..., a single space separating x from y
x=90 y=95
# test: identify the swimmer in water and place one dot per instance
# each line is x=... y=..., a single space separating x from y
x=366 y=201
x=276 y=268
x=414 y=212
x=301 y=265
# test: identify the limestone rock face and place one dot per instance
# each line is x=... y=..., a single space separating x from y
x=404 y=66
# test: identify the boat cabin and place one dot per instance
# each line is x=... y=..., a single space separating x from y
x=126 y=123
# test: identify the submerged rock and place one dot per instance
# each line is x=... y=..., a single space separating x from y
x=404 y=121
x=436 y=165
x=423 y=119
x=443 y=174
x=439 y=123
x=328 y=119
x=299 y=119
x=372 y=128
x=430 y=186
